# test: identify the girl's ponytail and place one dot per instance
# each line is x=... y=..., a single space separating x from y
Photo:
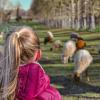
x=10 y=67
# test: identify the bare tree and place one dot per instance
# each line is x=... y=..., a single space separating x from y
x=5 y=5
x=76 y=14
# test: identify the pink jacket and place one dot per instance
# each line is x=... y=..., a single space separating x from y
x=34 y=84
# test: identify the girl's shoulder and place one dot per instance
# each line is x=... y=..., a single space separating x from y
x=33 y=65
x=38 y=64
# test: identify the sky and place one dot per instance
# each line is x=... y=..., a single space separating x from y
x=25 y=4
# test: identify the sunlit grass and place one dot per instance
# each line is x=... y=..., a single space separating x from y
x=54 y=67
x=52 y=60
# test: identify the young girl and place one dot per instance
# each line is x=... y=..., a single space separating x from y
x=23 y=77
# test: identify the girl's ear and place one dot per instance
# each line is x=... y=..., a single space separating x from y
x=37 y=55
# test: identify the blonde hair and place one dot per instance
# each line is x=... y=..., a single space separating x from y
x=19 y=49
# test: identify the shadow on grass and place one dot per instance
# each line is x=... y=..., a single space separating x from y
x=70 y=87
x=46 y=61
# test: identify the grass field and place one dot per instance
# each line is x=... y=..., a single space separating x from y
x=60 y=73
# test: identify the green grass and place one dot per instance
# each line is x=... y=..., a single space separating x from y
x=61 y=73
x=54 y=67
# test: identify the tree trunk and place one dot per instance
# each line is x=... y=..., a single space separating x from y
x=85 y=23
x=78 y=14
x=69 y=21
x=92 y=22
x=92 y=15
x=85 y=14
x=73 y=13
